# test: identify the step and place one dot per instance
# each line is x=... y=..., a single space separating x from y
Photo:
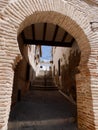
x=43 y=83
x=54 y=124
x=43 y=88
x=41 y=78
x=35 y=81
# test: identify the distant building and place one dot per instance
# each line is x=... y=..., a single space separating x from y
x=45 y=65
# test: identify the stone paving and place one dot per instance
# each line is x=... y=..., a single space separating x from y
x=43 y=110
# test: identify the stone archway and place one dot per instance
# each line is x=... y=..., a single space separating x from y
x=22 y=13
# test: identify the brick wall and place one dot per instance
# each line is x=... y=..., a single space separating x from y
x=74 y=17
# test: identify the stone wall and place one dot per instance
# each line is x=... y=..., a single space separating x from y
x=22 y=78
x=69 y=61
x=74 y=16
x=23 y=72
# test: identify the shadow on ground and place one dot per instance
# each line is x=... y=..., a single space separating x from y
x=43 y=110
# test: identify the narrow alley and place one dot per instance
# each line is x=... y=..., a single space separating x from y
x=43 y=108
x=37 y=103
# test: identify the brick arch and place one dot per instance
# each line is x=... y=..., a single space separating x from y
x=66 y=22
x=22 y=13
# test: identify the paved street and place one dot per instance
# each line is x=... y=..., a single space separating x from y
x=43 y=110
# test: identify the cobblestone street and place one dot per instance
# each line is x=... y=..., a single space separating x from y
x=43 y=110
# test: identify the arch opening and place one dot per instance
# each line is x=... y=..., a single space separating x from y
x=55 y=36
x=68 y=57
x=36 y=32
x=71 y=88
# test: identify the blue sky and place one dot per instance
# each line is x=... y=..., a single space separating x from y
x=46 y=53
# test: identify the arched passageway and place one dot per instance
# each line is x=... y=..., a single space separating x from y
x=52 y=35
x=64 y=112
x=16 y=17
